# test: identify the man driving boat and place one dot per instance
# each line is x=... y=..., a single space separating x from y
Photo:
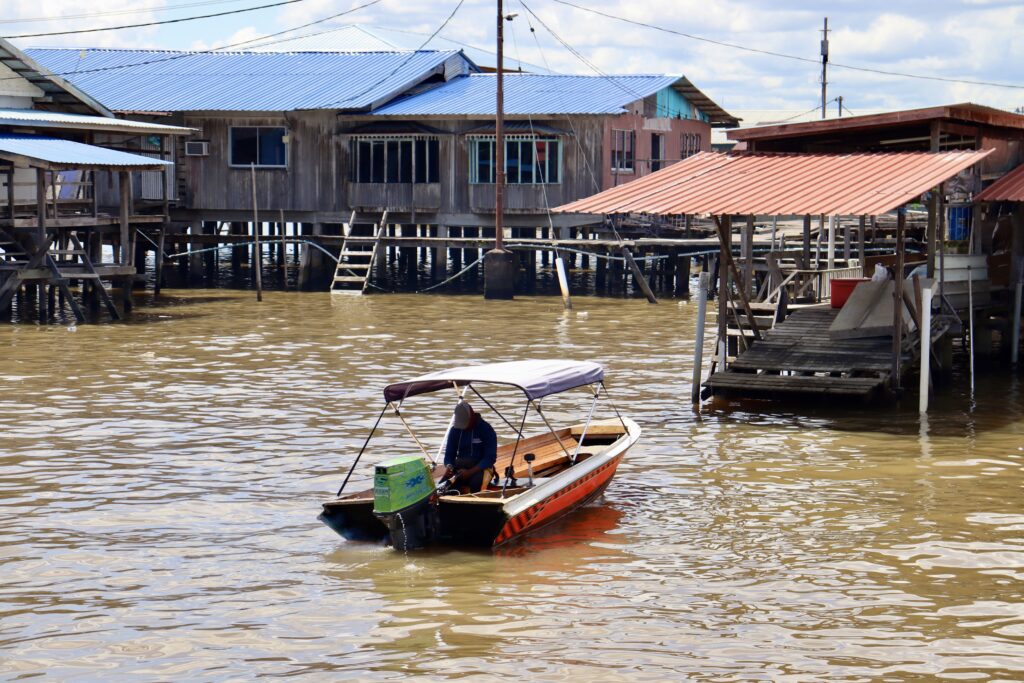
x=471 y=450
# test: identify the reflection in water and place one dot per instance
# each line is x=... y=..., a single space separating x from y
x=160 y=483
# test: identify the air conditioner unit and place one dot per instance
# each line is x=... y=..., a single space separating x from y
x=197 y=148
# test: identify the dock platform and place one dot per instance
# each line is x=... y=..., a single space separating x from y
x=797 y=356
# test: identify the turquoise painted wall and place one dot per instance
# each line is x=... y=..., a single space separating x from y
x=673 y=105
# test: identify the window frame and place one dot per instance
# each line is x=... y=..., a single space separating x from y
x=286 y=141
x=401 y=145
x=619 y=153
x=528 y=141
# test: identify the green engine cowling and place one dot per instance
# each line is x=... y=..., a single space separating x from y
x=402 y=492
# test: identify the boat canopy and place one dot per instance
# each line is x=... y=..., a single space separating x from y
x=536 y=378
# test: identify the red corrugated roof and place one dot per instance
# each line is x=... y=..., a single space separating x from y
x=1009 y=188
x=782 y=184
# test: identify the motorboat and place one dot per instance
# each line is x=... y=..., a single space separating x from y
x=536 y=479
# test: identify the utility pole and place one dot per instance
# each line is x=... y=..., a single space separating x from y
x=824 y=67
x=499 y=133
x=499 y=264
x=840 y=98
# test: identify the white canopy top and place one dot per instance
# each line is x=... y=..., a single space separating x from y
x=536 y=378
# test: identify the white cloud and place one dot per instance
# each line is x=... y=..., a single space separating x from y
x=974 y=40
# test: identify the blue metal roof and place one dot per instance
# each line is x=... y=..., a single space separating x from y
x=533 y=94
x=158 y=80
x=69 y=153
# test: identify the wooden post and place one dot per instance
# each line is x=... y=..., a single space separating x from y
x=831 y=257
x=439 y=256
x=10 y=193
x=861 y=254
x=698 y=343
x=563 y=282
x=41 y=207
x=847 y=242
x=925 y=314
x=897 y=301
x=158 y=277
x=282 y=255
x=125 y=188
x=970 y=323
x=164 y=195
x=638 y=277
x=257 y=252
x=682 y=274
x=747 y=249
x=725 y=243
x=1015 y=330
x=725 y=247
x=933 y=206
x=807 y=241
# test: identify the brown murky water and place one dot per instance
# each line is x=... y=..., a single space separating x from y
x=159 y=486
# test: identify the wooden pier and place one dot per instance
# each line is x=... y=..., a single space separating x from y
x=798 y=356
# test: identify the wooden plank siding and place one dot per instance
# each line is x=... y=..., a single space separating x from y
x=317 y=177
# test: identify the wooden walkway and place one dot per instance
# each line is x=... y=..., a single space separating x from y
x=797 y=356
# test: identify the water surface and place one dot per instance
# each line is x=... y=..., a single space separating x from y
x=160 y=481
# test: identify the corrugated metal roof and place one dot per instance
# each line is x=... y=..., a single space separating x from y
x=529 y=94
x=782 y=184
x=61 y=93
x=53 y=119
x=57 y=153
x=1009 y=188
x=156 y=80
x=967 y=112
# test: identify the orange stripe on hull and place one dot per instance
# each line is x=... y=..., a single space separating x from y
x=559 y=504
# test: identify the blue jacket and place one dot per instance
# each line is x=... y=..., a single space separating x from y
x=479 y=444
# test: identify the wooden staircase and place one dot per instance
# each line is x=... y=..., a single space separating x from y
x=56 y=266
x=358 y=254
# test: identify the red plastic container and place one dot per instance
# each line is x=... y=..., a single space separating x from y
x=842 y=288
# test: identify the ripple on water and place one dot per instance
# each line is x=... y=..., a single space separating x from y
x=159 y=484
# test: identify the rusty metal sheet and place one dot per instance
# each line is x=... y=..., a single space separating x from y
x=782 y=184
x=1009 y=188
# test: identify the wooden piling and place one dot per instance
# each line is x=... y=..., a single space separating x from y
x=682 y=274
x=925 y=315
x=897 y=307
x=703 y=285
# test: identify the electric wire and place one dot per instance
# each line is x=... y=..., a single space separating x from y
x=152 y=23
x=212 y=50
x=118 y=12
x=616 y=81
x=405 y=61
x=783 y=55
x=572 y=127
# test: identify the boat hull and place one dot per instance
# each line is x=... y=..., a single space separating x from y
x=488 y=519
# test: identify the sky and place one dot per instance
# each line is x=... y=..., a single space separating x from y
x=974 y=40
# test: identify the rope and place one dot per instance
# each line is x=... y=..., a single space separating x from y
x=249 y=244
x=453 y=277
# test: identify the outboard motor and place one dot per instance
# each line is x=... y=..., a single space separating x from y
x=404 y=500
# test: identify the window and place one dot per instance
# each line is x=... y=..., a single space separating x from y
x=395 y=160
x=689 y=145
x=623 y=144
x=529 y=160
x=263 y=146
x=657 y=151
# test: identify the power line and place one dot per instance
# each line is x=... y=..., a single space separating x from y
x=152 y=23
x=455 y=42
x=212 y=50
x=578 y=55
x=783 y=55
x=407 y=59
x=117 y=12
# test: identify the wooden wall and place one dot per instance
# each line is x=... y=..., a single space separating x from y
x=317 y=176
